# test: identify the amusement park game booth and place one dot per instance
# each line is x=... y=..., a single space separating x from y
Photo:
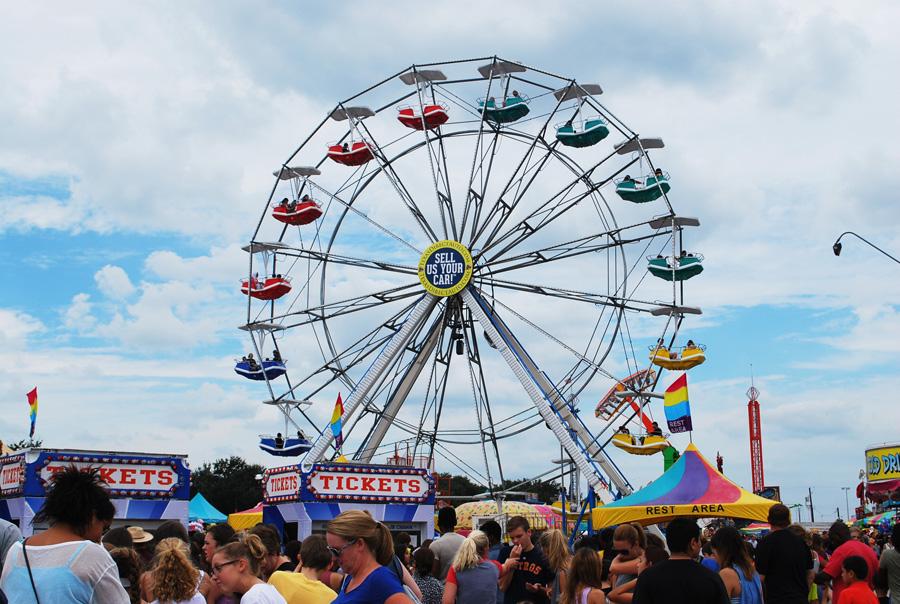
x=147 y=489
x=301 y=503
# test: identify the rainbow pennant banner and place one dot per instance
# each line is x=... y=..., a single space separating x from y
x=33 y=405
x=677 y=406
x=337 y=424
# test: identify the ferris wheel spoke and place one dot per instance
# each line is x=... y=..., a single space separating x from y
x=331 y=310
x=337 y=366
x=517 y=178
x=588 y=244
x=486 y=432
x=568 y=428
x=386 y=357
x=620 y=302
x=557 y=205
x=387 y=169
x=366 y=263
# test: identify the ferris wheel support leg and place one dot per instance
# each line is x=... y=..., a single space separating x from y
x=373 y=441
x=553 y=410
x=381 y=363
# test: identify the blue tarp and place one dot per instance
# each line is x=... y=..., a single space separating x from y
x=200 y=509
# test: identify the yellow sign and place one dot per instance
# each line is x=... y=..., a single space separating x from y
x=445 y=268
x=883 y=463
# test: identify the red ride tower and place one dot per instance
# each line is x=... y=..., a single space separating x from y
x=756 y=454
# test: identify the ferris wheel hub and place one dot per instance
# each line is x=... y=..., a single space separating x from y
x=445 y=268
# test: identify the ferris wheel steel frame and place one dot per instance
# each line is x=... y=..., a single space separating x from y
x=483 y=228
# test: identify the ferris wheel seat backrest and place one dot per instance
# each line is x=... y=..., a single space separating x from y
x=566 y=129
x=593 y=123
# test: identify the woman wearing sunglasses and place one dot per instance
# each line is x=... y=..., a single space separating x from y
x=236 y=569
x=363 y=547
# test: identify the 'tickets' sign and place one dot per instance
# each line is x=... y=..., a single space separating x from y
x=12 y=476
x=282 y=484
x=349 y=483
x=131 y=477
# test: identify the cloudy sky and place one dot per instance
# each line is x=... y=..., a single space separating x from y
x=136 y=160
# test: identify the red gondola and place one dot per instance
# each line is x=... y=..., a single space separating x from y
x=271 y=288
x=434 y=116
x=356 y=154
x=303 y=212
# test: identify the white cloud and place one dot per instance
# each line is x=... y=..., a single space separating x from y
x=16 y=328
x=113 y=282
x=78 y=317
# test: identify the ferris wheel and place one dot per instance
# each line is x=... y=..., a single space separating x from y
x=463 y=249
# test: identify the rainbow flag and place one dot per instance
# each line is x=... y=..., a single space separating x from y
x=336 y=423
x=33 y=404
x=677 y=406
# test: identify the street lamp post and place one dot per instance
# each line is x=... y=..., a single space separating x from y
x=836 y=248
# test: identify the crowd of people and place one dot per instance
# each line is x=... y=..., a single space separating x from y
x=80 y=559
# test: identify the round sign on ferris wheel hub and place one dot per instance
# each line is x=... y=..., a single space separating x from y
x=445 y=268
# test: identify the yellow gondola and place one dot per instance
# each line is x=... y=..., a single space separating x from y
x=690 y=356
x=640 y=445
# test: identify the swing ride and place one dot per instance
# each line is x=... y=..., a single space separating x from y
x=471 y=249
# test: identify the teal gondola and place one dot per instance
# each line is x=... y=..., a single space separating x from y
x=679 y=269
x=514 y=108
x=651 y=189
x=592 y=132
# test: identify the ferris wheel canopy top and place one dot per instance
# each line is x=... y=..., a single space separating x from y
x=422 y=75
x=287 y=173
x=664 y=221
x=635 y=144
x=500 y=68
x=342 y=113
x=577 y=91
x=671 y=309
x=265 y=246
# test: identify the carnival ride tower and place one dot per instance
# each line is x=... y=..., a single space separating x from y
x=756 y=453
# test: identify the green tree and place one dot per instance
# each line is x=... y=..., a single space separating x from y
x=230 y=485
x=30 y=443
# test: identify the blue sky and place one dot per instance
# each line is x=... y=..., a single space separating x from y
x=136 y=161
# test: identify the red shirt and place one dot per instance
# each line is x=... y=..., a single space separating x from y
x=850 y=548
x=857 y=593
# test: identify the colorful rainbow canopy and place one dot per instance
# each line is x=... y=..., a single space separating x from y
x=691 y=487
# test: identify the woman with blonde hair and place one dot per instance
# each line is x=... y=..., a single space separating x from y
x=236 y=568
x=472 y=577
x=556 y=548
x=174 y=579
x=630 y=541
x=363 y=547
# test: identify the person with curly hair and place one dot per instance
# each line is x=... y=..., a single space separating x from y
x=174 y=579
x=71 y=564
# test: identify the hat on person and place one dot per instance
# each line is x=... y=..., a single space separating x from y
x=139 y=535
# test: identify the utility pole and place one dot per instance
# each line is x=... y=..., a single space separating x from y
x=847 y=500
x=812 y=512
x=837 y=512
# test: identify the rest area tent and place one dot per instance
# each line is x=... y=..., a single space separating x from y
x=200 y=509
x=247 y=518
x=691 y=487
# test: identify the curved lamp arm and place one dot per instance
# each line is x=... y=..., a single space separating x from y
x=837 y=245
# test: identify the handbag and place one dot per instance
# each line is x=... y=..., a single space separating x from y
x=28 y=567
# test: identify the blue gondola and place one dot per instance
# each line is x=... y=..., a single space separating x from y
x=269 y=369
x=292 y=445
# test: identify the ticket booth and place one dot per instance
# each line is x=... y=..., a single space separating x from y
x=301 y=504
x=146 y=488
